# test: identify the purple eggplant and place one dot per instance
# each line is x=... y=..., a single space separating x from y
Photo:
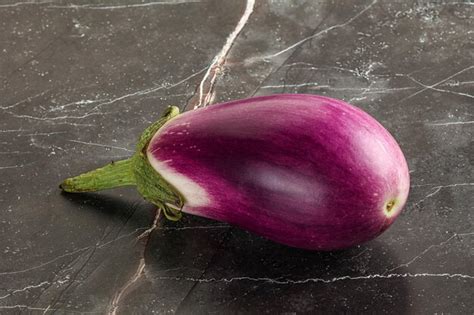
x=303 y=170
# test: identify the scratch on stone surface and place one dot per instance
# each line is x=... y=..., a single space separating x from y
x=454 y=185
x=47 y=309
x=387 y=90
x=422 y=185
x=434 y=192
x=114 y=305
x=360 y=254
x=45 y=263
x=75 y=103
x=94 y=110
x=101 y=145
x=121 y=237
x=148 y=90
x=449 y=185
x=428 y=249
x=54 y=118
x=14 y=152
x=11 y=166
x=44 y=133
x=34 y=286
x=13 y=130
x=437 y=189
x=34 y=143
x=80 y=269
x=453 y=92
x=29 y=98
x=126 y=6
x=311 y=66
x=23 y=3
x=214 y=69
x=148 y=231
x=304 y=40
x=357 y=98
x=427 y=87
x=44 y=309
x=278 y=86
x=80 y=250
x=366 y=74
x=179 y=94
x=316 y=86
x=457 y=83
x=454 y=3
x=321 y=280
x=450 y=123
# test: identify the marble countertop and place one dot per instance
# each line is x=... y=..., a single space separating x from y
x=82 y=79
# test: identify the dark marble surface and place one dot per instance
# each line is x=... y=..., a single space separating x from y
x=82 y=79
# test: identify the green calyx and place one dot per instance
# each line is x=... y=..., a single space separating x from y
x=134 y=171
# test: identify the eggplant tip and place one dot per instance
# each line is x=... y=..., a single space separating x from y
x=389 y=208
x=66 y=186
x=63 y=186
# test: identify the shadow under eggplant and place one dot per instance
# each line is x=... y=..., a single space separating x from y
x=203 y=266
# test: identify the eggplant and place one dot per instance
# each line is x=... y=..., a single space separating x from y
x=303 y=170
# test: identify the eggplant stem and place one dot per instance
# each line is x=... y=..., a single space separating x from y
x=134 y=171
x=112 y=175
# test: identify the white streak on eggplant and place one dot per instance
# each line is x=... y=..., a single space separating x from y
x=194 y=194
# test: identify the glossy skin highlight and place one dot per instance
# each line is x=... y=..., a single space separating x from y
x=303 y=170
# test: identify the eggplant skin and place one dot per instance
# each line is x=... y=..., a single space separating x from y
x=303 y=170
